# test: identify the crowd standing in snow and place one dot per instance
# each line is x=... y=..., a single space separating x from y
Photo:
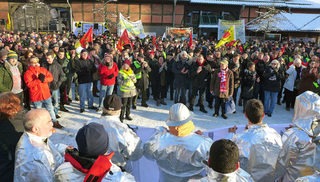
x=38 y=71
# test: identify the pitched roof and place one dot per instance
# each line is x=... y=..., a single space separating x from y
x=289 y=22
x=307 y=4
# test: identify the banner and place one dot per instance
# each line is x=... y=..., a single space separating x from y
x=133 y=28
x=239 y=28
x=179 y=33
x=228 y=37
x=85 y=26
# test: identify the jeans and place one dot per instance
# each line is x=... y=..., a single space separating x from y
x=85 y=92
x=104 y=91
x=47 y=104
x=270 y=101
x=55 y=100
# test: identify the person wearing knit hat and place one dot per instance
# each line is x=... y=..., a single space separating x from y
x=126 y=83
x=221 y=85
x=141 y=69
x=11 y=76
x=123 y=141
x=171 y=148
x=91 y=159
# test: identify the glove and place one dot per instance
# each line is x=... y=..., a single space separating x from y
x=41 y=77
x=110 y=76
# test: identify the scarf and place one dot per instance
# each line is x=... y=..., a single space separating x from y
x=223 y=80
x=16 y=78
x=201 y=64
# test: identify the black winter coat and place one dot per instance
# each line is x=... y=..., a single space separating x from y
x=179 y=78
x=248 y=82
x=260 y=68
x=143 y=82
x=9 y=139
x=199 y=80
x=272 y=80
x=85 y=70
x=57 y=73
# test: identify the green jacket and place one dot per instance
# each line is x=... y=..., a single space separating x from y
x=6 y=82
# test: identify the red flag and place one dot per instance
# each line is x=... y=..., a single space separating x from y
x=124 y=40
x=88 y=37
x=282 y=50
x=154 y=39
x=190 y=40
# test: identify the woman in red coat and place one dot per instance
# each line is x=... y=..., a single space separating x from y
x=108 y=71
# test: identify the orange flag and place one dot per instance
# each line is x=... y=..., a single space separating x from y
x=124 y=40
x=88 y=37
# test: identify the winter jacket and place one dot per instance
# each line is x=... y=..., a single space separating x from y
x=307 y=80
x=66 y=67
x=215 y=84
x=248 y=82
x=178 y=158
x=236 y=73
x=76 y=167
x=292 y=74
x=158 y=73
x=108 y=75
x=272 y=80
x=6 y=82
x=38 y=91
x=260 y=68
x=199 y=80
x=84 y=70
x=126 y=81
x=179 y=78
x=9 y=139
x=123 y=141
x=32 y=163
x=141 y=75
x=57 y=73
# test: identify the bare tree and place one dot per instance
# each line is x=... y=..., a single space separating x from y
x=104 y=13
x=267 y=21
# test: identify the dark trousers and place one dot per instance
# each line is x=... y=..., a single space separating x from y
x=194 y=94
x=63 y=93
x=220 y=102
x=290 y=97
x=170 y=87
x=126 y=104
x=159 y=92
x=26 y=99
x=144 y=96
x=235 y=94
x=259 y=92
x=209 y=96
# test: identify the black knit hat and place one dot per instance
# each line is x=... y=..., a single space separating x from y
x=112 y=102
x=92 y=140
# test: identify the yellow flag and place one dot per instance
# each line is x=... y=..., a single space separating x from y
x=78 y=44
x=8 y=23
x=228 y=36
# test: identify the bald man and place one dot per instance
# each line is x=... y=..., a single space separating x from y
x=36 y=157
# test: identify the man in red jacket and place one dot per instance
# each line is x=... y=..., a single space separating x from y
x=108 y=71
x=37 y=79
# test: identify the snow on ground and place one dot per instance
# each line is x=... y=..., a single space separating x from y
x=154 y=116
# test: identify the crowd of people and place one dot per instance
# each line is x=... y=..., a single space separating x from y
x=43 y=73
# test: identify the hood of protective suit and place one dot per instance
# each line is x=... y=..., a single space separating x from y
x=307 y=113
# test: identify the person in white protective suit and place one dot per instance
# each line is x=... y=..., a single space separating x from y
x=297 y=157
x=123 y=141
x=36 y=157
x=179 y=152
x=223 y=164
x=259 y=145
x=91 y=161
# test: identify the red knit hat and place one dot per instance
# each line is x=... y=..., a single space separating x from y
x=128 y=62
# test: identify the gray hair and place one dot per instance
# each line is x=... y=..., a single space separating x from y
x=32 y=117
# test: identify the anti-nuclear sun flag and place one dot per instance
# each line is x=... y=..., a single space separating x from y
x=228 y=36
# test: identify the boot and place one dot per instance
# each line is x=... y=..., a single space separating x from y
x=202 y=109
x=224 y=116
x=121 y=115
x=128 y=117
x=57 y=125
x=144 y=104
x=158 y=102
x=278 y=102
x=240 y=102
x=62 y=108
x=163 y=102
